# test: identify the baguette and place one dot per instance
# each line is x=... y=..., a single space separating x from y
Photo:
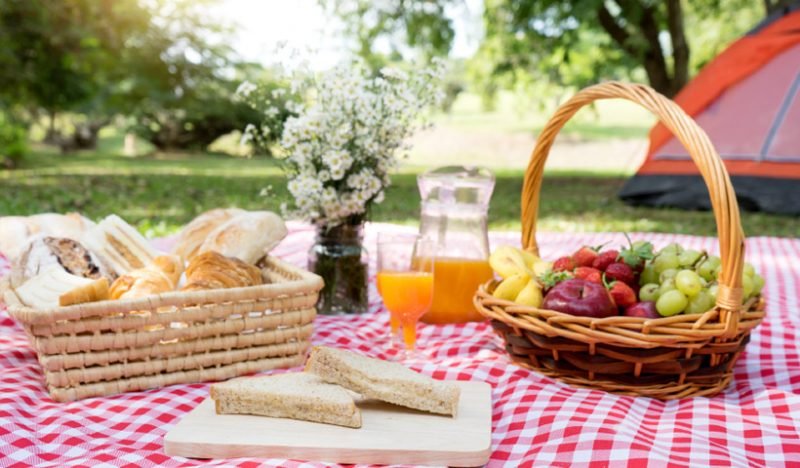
x=248 y=236
x=382 y=380
x=295 y=395
x=195 y=233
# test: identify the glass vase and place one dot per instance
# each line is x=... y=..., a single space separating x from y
x=339 y=257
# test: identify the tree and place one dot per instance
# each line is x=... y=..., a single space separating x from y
x=574 y=43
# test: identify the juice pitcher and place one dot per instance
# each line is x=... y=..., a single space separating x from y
x=455 y=206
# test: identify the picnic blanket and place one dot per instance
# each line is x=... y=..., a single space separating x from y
x=536 y=420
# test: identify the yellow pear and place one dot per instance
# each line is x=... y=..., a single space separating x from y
x=530 y=295
x=510 y=287
x=541 y=267
x=507 y=261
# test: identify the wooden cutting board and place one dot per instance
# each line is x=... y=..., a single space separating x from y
x=389 y=434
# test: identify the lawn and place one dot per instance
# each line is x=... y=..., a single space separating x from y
x=160 y=193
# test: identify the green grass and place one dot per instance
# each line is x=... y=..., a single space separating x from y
x=161 y=193
x=516 y=113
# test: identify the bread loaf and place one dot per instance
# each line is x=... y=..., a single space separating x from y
x=195 y=233
x=43 y=252
x=17 y=231
x=247 y=236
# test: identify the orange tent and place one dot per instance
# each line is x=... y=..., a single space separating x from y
x=748 y=101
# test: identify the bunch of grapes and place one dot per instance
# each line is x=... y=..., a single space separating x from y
x=681 y=280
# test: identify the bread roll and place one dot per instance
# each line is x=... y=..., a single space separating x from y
x=195 y=233
x=212 y=270
x=95 y=291
x=247 y=236
x=160 y=276
x=119 y=245
x=16 y=231
x=43 y=252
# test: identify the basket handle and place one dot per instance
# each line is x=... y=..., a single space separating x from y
x=693 y=138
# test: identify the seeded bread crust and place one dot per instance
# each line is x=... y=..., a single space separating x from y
x=383 y=380
x=294 y=395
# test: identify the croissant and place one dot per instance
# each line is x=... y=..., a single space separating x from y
x=160 y=276
x=211 y=270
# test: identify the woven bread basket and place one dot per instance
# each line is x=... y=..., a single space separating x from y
x=665 y=358
x=110 y=347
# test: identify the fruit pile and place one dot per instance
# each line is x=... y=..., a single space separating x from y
x=635 y=280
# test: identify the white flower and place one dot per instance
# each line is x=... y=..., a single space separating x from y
x=245 y=88
x=347 y=131
x=394 y=73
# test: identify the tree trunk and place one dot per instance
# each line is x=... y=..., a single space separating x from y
x=650 y=56
x=680 y=48
x=51 y=136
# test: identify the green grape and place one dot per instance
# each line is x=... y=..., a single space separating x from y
x=671 y=303
x=648 y=275
x=700 y=303
x=703 y=281
x=717 y=270
x=758 y=283
x=749 y=270
x=707 y=267
x=688 y=282
x=668 y=285
x=748 y=286
x=689 y=257
x=649 y=292
x=667 y=274
x=674 y=248
x=665 y=261
x=713 y=290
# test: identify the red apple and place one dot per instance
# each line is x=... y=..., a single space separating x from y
x=646 y=309
x=580 y=297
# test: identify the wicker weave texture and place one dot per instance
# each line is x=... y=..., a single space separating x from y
x=671 y=357
x=111 y=347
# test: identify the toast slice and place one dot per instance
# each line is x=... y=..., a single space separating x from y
x=383 y=380
x=296 y=395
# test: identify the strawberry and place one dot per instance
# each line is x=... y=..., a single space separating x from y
x=619 y=271
x=564 y=264
x=589 y=274
x=622 y=294
x=584 y=256
x=636 y=254
x=605 y=259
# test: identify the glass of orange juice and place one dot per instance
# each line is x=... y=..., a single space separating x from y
x=405 y=282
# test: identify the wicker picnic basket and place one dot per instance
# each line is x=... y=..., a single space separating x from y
x=665 y=358
x=110 y=347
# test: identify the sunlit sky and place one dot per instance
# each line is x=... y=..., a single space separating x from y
x=302 y=24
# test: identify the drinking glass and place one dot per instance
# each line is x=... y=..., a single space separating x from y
x=405 y=282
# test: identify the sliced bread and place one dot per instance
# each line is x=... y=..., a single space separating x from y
x=383 y=380
x=297 y=395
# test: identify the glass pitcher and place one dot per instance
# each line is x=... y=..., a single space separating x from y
x=455 y=206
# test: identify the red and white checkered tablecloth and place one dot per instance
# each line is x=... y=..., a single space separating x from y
x=536 y=421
